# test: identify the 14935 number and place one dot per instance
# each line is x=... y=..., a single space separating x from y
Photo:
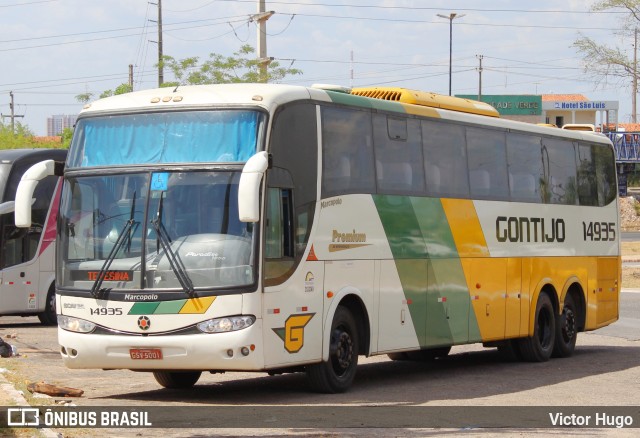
x=599 y=231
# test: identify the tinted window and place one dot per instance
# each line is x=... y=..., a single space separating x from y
x=587 y=183
x=398 y=154
x=445 y=159
x=559 y=159
x=605 y=175
x=347 y=145
x=487 y=163
x=525 y=167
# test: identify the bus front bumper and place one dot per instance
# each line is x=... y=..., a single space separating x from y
x=237 y=350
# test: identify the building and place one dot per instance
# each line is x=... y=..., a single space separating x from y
x=56 y=124
x=555 y=109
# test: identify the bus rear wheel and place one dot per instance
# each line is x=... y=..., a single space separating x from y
x=538 y=348
x=566 y=329
x=48 y=316
x=337 y=374
x=177 y=379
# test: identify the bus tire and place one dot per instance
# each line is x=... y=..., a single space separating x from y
x=337 y=374
x=48 y=316
x=566 y=329
x=538 y=348
x=177 y=379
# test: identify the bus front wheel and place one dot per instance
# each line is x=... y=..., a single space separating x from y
x=337 y=374
x=538 y=348
x=177 y=379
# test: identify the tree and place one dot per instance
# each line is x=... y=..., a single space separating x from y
x=603 y=62
x=22 y=137
x=120 y=89
x=218 y=69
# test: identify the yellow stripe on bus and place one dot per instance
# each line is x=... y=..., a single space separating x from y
x=197 y=305
x=465 y=227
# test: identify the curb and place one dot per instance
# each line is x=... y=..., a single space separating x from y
x=15 y=396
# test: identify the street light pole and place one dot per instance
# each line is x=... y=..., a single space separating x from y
x=450 y=17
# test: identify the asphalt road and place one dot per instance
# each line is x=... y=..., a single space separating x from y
x=630 y=236
x=603 y=372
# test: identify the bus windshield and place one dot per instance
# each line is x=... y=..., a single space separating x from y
x=153 y=230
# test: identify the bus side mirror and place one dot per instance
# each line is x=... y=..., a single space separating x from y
x=27 y=186
x=249 y=187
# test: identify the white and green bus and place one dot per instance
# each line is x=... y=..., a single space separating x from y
x=272 y=227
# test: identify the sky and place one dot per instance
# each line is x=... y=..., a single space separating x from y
x=54 y=50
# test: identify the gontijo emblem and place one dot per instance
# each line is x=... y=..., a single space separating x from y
x=293 y=331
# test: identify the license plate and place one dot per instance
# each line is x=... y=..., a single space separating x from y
x=145 y=353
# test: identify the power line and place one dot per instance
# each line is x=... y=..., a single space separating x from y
x=418 y=8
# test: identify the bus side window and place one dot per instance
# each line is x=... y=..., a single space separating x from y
x=487 y=163
x=445 y=158
x=278 y=251
x=398 y=152
x=347 y=147
x=562 y=181
x=526 y=175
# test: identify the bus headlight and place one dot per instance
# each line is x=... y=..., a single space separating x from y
x=75 y=325
x=227 y=324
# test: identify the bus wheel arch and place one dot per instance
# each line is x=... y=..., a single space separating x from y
x=48 y=316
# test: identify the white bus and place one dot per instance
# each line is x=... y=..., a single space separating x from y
x=272 y=227
x=27 y=255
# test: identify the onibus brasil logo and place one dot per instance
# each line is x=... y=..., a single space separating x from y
x=293 y=331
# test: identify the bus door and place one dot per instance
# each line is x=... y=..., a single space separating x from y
x=293 y=298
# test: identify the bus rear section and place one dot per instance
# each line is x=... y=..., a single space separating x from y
x=27 y=255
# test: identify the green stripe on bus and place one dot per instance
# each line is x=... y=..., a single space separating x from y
x=429 y=269
x=170 y=307
x=144 y=308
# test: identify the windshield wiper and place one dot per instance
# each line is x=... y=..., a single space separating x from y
x=174 y=261
x=122 y=237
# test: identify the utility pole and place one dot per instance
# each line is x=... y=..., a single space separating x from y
x=480 y=77
x=131 y=76
x=160 y=63
x=261 y=18
x=160 y=66
x=13 y=115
